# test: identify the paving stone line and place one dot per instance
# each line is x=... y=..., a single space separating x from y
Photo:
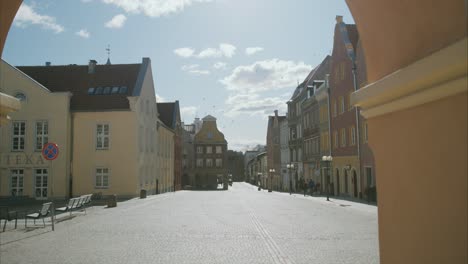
x=275 y=251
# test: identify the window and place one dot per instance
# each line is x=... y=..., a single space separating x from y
x=40 y=184
x=42 y=134
x=102 y=178
x=98 y=90
x=335 y=139
x=106 y=90
x=219 y=163
x=342 y=105
x=19 y=130
x=115 y=90
x=123 y=90
x=209 y=149
x=102 y=136
x=219 y=149
x=342 y=70
x=209 y=163
x=199 y=163
x=16 y=178
x=91 y=90
x=353 y=135
x=343 y=137
x=200 y=150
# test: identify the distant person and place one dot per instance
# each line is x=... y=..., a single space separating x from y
x=311 y=187
x=290 y=187
x=304 y=186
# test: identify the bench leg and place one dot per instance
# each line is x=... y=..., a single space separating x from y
x=16 y=222
x=4 y=225
x=25 y=222
x=43 y=221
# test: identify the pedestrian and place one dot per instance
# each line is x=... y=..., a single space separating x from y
x=304 y=186
x=290 y=187
x=311 y=187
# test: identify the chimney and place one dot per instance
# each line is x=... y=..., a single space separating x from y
x=276 y=113
x=339 y=19
x=47 y=63
x=92 y=66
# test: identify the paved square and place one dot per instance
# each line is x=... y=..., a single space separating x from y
x=241 y=225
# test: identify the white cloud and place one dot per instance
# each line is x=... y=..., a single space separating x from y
x=27 y=16
x=188 y=113
x=184 y=52
x=224 y=50
x=253 y=105
x=219 y=65
x=83 y=33
x=266 y=75
x=160 y=99
x=194 y=69
x=244 y=144
x=153 y=8
x=252 y=50
x=116 y=22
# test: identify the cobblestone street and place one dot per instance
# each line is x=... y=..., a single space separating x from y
x=241 y=225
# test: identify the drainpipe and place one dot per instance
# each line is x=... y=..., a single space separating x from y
x=358 y=134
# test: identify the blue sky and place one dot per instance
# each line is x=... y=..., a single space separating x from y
x=237 y=60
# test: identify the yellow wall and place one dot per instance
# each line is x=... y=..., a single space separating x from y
x=121 y=157
x=40 y=104
x=165 y=159
x=341 y=163
x=422 y=160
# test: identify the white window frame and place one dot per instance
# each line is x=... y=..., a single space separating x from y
x=343 y=137
x=20 y=137
x=209 y=149
x=42 y=137
x=199 y=163
x=42 y=175
x=199 y=150
x=103 y=136
x=209 y=163
x=16 y=185
x=219 y=149
x=353 y=135
x=219 y=163
x=101 y=175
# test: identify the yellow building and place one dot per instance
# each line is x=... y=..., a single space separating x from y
x=165 y=179
x=111 y=128
x=44 y=117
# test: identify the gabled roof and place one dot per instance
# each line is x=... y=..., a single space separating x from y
x=168 y=112
x=318 y=73
x=77 y=80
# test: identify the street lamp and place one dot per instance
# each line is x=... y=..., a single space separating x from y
x=272 y=171
x=290 y=167
x=327 y=160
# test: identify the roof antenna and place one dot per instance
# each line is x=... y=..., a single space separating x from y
x=108 y=55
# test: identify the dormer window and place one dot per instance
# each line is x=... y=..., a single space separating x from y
x=106 y=90
x=91 y=90
x=98 y=90
x=115 y=90
x=123 y=90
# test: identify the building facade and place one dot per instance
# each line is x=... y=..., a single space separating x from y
x=169 y=114
x=113 y=119
x=210 y=155
x=274 y=151
x=165 y=177
x=44 y=117
x=284 y=154
x=344 y=121
x=322 y=97
x=235 y=165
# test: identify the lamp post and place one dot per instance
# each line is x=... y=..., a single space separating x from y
x=327 y=160
x=290 y=167
x=270 y=187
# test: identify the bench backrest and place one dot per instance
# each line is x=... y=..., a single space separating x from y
x=88 y=198
x=45 y=209
x=71 y=202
